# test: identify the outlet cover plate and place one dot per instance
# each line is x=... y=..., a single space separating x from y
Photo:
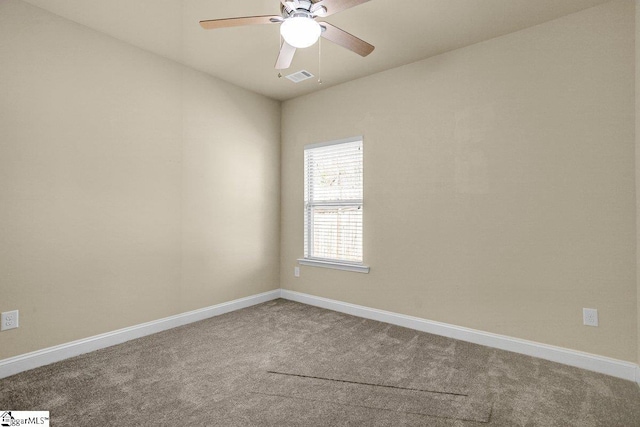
x=9 y=320
x=590 y=316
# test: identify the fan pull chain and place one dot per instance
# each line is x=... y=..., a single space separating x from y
x=319 y=60
x=279 y=46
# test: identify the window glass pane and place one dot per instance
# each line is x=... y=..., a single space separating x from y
x=337 y=233
x=335 y=172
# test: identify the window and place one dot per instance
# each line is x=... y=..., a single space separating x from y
x=333 y=205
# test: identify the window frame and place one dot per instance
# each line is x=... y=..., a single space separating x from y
x=357 y=266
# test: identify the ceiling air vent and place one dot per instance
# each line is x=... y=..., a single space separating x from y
x=299 y=76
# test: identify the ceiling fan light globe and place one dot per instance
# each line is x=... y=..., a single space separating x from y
x=300 y=32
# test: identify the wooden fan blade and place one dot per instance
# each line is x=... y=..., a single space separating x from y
x=237 y=22
x=335 y=6
x=286 y=56
x=346 y=40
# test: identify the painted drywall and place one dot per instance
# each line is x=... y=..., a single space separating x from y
x=637 y=40
x=499 y=184
x=131 y=187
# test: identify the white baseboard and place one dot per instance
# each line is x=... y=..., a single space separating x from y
x=49 y=355
x=601 y=364
x=617 y=368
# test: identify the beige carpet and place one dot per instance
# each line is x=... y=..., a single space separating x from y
x=286 y=364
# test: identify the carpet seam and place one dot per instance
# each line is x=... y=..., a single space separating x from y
x=369 y=384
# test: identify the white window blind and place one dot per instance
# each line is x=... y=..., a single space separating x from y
x=333 y=201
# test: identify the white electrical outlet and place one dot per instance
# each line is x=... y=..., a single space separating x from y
x=296 y=271
x=9 y=320
x=590 y=316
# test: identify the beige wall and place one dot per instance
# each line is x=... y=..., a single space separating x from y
x=637 y=39
x=499 y=184
x=131 y=188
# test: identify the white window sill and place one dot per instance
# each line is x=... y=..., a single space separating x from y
x=358 y=268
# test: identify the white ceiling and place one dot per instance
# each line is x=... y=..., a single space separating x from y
x=402 y=31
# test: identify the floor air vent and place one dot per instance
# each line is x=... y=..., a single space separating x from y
x=299 y=76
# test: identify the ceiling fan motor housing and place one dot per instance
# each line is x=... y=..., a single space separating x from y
x=300 y=6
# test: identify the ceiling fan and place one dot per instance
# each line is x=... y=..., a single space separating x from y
x=299 y=28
